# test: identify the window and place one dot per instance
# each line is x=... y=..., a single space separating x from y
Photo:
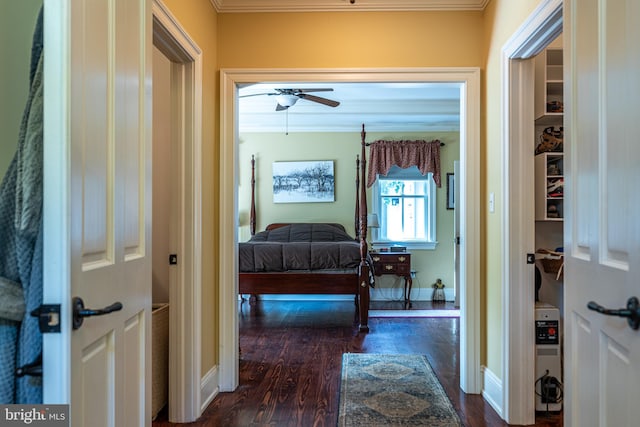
x=404 y=201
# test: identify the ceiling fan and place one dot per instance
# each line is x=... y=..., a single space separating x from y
x=288 y=97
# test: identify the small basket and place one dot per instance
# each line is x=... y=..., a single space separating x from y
x=551 y=265
x=159 y=357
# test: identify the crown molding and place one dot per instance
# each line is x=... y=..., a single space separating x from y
x=236 y=6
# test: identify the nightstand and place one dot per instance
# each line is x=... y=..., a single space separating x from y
x=396 y=264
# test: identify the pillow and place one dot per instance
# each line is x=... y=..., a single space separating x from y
x=304 y=232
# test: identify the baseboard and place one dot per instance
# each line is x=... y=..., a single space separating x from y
x=417 y=294
x=209 y=388
x=382 y=294
x=302 y=297
x=492 y=391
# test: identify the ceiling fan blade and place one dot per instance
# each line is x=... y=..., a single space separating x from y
x=325 y=101
x=326 y=89
x=257 y=94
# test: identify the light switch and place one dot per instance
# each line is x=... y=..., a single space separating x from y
x=492 y=202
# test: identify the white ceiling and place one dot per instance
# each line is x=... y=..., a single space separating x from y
x=344 y=5
x=382 y=107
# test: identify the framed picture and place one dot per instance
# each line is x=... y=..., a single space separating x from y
x=451 y=196
x=303 y=182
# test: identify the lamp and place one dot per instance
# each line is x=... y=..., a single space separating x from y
x=372 y=222
x=286 y=100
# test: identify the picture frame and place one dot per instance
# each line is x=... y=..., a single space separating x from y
x=303 y=181
x=451 y=197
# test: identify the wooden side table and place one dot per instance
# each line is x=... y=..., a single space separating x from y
x=397 y=264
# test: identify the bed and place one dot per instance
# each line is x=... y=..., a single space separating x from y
x=310 y=258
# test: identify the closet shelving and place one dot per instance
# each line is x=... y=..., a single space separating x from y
x=549 y=96
x=549 y=200
x=549 y=111
x=549 y=175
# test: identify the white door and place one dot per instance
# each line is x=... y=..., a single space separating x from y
x=97 y=207
x=602 y=218
x=456 y=234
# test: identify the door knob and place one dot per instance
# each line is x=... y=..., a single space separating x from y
x=632 y=312
x=79 y=312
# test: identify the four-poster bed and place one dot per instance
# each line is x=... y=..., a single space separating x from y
x=341 y=264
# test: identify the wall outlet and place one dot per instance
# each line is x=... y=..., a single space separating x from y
x=413 y=274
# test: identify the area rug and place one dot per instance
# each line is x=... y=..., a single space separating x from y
x=392 y=390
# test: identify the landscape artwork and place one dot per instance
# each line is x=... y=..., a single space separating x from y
x=303 y=182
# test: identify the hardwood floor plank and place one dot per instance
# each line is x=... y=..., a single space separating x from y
x=291 y=360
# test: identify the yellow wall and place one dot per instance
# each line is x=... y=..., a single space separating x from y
x=350 y=39
x=359 y=39
x=502 y=18
x=342 y=149
x=198 y=18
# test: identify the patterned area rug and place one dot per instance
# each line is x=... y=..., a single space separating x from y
x=392 y=390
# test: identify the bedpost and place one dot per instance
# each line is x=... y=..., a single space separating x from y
x=357 y=211
x=252 y=218
x=363 y=278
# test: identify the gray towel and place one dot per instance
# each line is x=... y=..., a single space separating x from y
x=12 y=301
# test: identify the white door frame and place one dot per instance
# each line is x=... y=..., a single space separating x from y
x=56 y=216
x=185 y=397
x=542 y=26
x=469 y=204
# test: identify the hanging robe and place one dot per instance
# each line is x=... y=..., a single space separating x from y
x=21 y=194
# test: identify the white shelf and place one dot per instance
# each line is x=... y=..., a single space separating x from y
x=549 y=86
x=549 y=188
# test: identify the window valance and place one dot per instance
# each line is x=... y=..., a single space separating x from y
x=404 y=154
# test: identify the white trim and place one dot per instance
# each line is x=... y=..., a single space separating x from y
x=492 y=391
x=396 y=292
x=470 y=375
x=377 y=294
x=470 y=237
x=209 y=388
x=425 y=246
x=543 y=25
x=57 y=181
x=227 y=6
x=228 y=239
x=301 y=297
x=185 y=398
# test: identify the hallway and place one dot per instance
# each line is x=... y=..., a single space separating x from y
x=291 y=360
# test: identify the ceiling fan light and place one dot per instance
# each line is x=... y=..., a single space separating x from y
x=286 y=100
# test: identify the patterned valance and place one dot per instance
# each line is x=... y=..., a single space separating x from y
x=404 y=154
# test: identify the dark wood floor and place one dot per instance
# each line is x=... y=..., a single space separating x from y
x=291 y=355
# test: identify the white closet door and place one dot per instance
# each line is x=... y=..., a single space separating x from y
x=602 y=94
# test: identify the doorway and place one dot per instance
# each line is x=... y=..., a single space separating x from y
x=313 y=129
x=514 y=399
x=183 y=61
x=470 y=378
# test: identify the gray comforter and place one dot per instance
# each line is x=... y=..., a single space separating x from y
x=300 y=247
